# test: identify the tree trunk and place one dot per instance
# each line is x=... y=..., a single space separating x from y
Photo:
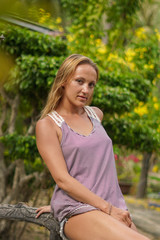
x=14 y=110
x=2 y=174
x=142 y=187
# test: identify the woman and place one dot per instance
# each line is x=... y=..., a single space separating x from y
x=87 y=200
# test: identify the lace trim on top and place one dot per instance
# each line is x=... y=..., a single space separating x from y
x=91 y=113
x=59 y=120
x=56 y=117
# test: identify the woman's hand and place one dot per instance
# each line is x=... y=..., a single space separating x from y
x=121 y=215
x=43 y=209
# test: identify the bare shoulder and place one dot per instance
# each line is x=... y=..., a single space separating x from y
x=45 y=125
x=98 y=112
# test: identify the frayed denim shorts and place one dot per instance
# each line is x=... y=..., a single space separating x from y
x=61 y=231
x=79 y=210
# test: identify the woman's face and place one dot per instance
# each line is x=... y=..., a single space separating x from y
x=78 y=90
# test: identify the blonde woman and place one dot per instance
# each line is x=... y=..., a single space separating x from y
x=87 y=200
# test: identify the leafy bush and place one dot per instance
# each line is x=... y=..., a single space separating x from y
x=22 y=41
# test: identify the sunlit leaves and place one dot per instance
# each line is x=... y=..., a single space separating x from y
x=21 y=41
x=132 y=133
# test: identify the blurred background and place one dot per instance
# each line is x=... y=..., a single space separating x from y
x=123 y=38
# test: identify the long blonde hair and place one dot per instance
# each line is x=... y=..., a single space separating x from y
x=67 y=68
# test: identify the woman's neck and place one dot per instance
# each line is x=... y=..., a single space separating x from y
x=66 y=109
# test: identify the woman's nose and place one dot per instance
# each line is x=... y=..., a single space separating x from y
x=85 y=88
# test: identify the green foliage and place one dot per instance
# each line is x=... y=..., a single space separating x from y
x=113 y=99
x=21 y=41
x=20 y=146
x=122 y=9
x=34 y=76
x=86 y=16
x=97 y=19
x=37 y=72
x=131 y=81
x=24 y=148
x=155 y=178
x=121 y=15
x=145 y=45
x=37 y=58
x=86 y=27
x=134 y=134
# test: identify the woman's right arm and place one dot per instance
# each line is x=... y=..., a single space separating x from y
x=50 y=150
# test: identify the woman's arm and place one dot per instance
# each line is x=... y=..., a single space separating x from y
x=50 y=150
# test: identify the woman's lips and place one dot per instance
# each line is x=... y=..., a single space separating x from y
x=82 y=97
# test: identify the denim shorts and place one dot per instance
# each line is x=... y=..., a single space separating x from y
x=61 y=231
x=78 y=210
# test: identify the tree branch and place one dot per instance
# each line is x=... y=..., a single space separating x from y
x=19 y=179
x=34 y=118
x=5 y=96
x=3 y=117
x=11 y=168
x=22 y=212
x=27 y=178
x=14 y=109
x=2 y=173
x=31 y=128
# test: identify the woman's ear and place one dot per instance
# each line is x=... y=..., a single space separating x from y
x=63 y=85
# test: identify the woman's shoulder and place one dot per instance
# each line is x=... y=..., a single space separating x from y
x=45 y=124
x=98 y=112
x=46 y=127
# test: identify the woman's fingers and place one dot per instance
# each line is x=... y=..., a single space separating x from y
x=39 y=209
x=128 y=222
x=126 y=218
x=40 y=212
x=43 y=209
x=121 y=215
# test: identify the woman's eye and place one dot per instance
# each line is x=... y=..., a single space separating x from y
x=92 y=84
x=79 y=81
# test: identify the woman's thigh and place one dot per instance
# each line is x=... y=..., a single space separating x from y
x=96 y=225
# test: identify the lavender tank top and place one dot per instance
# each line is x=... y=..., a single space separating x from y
x=90 y=160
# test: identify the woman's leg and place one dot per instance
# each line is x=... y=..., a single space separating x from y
x=96 y=225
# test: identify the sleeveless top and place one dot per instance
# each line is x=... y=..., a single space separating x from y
x=90 y=160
